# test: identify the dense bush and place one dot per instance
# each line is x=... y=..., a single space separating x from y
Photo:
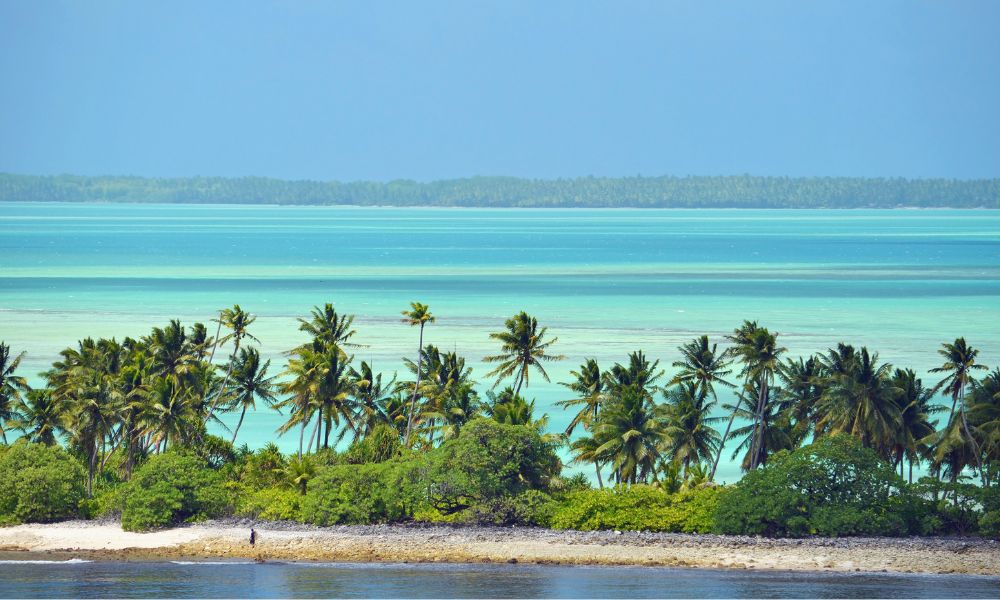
x=272 y=504
x=380 y=445
x=530 y=507
x=39 y=483
x=173 y=487
x=832 y=487
x=355 y=494
x=639 y=508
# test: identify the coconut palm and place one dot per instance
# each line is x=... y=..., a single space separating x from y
x=629 y=434
x=522 y=347
x=689 y=437
x=371 y=397
x=862 y=402
x=238 y=321
x=758 y=350
x=39 y=417
x=329 y=327
x=419 y=315
x=959 y=369
x=984 y=413
x=303 y=376
x=589 y=389
x=639 y=375
x=914 y=402
x=739 y=338
x=703 y=365
x=584 y=450
x=11 y=387
x=768 y=432
x=249 y=383
x=299 y=472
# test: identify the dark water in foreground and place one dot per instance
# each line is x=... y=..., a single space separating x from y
x=310 y=580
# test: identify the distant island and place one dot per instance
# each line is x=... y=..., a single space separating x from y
x=740 y=191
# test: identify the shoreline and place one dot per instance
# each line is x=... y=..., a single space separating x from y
x=451 y=544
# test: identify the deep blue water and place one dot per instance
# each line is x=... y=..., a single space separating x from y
x=305 y=580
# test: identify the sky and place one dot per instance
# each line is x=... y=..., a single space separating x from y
x=378 y=90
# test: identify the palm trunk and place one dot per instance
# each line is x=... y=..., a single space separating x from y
x=911 y=470
x=759 y=426
x=4 y=434
x=725 y=436
x=972 y=440
x=520 y=380
x=239 y=423
x=597 y=467
x=413 y=399
x=302 y=435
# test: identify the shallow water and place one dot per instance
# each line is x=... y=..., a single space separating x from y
x=304 y=580
x=605 y=282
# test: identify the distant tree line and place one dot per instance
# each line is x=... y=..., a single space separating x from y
x=741 y=191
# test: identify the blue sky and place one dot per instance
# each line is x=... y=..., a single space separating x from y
x=383 y=90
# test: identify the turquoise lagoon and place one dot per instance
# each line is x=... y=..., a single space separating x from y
x=606 y=282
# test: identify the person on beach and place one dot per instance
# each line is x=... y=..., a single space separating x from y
x=253 y=536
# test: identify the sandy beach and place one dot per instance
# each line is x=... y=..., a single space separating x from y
x=282 y=541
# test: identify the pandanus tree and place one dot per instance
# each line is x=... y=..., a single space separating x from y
x=11 y=387
x=523 y=347
x=419 y=315
x=249 y=383
x=959 y=369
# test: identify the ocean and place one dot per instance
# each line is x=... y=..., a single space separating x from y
x=605 y=282
x=235 y=579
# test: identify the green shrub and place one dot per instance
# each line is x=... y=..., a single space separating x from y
x=832 y=487
x=39 y=483
x=380 y=445
x=530 y=507
x=353 y=494
x=272 y=504
x=173 y=487
x=639 y=508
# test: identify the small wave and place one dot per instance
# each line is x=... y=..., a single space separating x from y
x=212 y=562
x=72 y=561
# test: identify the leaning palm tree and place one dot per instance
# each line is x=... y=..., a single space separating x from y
x=739 y=339
x=584 y=450
x=589 y=389
x=303 y=378
x=11 y=387
x=689 y=437
x=418 y=315
x=984 y=413
x=801 y=389
x=760 y=354
x=522 y=347
x=371 y=397
x=914 y=402
x=238 y=322
x=249 y=384
x=959 y=367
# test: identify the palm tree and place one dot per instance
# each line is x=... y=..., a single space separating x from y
x=589 y=388
x=371 y=397
x=914 y=402
x=299 y=472
x=760 y=355
x=629 y=434
x=766 y=434
x=689 y=436
x=522 y=346
x=640 y=375
x=329 y=327
x=584 y=450
x=303 y=379
x=740 y=338
x=984 y=413
x=862 y=402
x=702 y=365
x=11 y=387
x=801 y=389
x=249 y=384
x=418 y=315
x=959 y=366
x=238 y=322
x=39 y=417
x=173 y=416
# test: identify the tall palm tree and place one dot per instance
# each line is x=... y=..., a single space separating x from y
x=959 y=368
x=739 y=339
x=584 y=450
x=303 y=378
x=589 y=389
x=238 y=321
x=372 y=398
x=984 y=413
x=862 y=402
x=801 y=390
x=768 y=432
x=914 y=402
x=703 y=365
x=419 y=315
x=689 y=436
x=522 y=347
x=760 y=355
x=11 y=387
x=249 y=383
x=329 y=327
x=629 y=434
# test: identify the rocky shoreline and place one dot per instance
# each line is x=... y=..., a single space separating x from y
x=396 y=543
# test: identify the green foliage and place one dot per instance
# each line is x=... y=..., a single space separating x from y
x=39 y=483
x=486 y=461
x=640 y=508
x=380 y=445
x=832 y=487
x=272 y=504
x=173 y=487
x=354 y=494
x=530 y=507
